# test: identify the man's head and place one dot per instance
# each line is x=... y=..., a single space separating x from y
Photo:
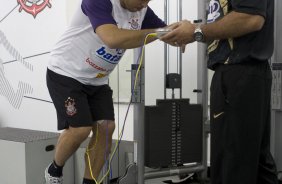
x=134 y=5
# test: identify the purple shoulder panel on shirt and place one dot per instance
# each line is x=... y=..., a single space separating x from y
x=99 y=12
x=151 y=20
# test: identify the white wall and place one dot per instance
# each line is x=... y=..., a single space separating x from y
x=154 y=66
x=28 y=36
x=31 y=36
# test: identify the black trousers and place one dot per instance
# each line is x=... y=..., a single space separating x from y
x=240 y=125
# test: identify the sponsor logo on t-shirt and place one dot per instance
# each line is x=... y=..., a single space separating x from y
x=110 y=57
x=95 y=66
x=100 y=75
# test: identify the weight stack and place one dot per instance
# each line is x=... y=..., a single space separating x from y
x=173 y=133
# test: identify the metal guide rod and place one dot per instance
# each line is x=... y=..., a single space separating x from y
x=202 y=84
x=138 y=128
x=166 y=47
x=179 y=53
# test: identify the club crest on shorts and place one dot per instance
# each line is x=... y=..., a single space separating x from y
x=33 y=7
x=70 y=106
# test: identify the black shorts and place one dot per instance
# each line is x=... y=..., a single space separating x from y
x=77 y=104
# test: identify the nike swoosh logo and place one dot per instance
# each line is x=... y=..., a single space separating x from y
x=217 y=115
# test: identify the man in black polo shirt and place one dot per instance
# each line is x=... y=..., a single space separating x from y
x=240 y=37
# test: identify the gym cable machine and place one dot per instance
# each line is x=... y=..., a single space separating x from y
x=174 y=132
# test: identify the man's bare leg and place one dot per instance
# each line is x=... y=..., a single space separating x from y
x=68 y=142
x=101 y=150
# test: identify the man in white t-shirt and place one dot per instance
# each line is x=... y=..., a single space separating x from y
x=77 y=76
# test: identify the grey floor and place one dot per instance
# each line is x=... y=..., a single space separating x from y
x=172 y=180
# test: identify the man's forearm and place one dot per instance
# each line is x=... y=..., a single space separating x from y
x=128 y=39
x=233 y=25
x=114 y=37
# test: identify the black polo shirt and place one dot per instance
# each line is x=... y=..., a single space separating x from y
x=256 y=46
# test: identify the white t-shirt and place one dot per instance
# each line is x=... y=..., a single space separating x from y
x=81 y=54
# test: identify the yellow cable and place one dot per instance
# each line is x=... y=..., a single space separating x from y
x=135 y=82
x=141 y=59
x=88 y=156
x=90 y=168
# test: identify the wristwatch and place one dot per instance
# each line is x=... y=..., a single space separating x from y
x=198 y=34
